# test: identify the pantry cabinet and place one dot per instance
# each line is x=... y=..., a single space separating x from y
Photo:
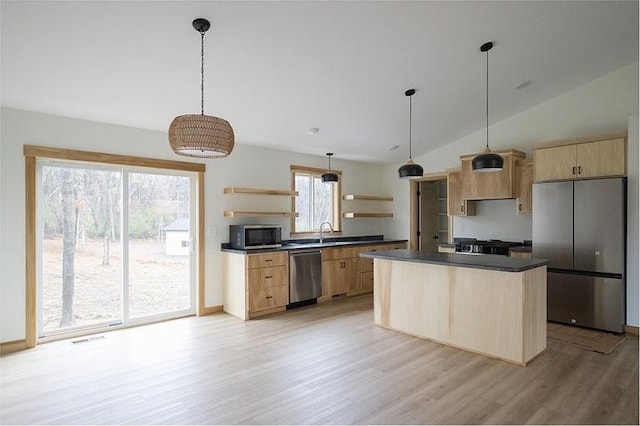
x=584 y=160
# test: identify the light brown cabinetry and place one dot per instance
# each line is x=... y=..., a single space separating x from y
x=345 y=272
x=339 y=270
x=492 y=185
x=456 y=202
x=446 y=249
x=524 y=177
x=584 y=160
x=365 y=284
x=255 y=284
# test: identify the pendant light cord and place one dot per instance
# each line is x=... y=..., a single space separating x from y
x=487 y=99
x=410 y=115
x=202 y=72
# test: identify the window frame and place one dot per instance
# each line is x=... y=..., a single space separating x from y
x=336 y=223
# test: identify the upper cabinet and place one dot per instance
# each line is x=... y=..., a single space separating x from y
x=524 y=178
x=456 y=202
x=583 y=158
x=491 y=185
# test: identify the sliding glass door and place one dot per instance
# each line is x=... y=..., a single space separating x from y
x=91 y=273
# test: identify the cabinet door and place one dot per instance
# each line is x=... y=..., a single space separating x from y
x=556 y=163
x=525 y=183
x=488 y=186
x=601 y=158
x=340 y=276
x=457 y=205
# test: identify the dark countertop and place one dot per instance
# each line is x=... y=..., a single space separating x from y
x=484 y=261
x=306 y=244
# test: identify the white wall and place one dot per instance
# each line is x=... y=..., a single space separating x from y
x=246 y=166
x=601 y=106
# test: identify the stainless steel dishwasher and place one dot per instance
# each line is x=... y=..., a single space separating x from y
x=305 y=277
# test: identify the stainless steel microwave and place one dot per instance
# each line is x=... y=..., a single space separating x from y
x=246 y=237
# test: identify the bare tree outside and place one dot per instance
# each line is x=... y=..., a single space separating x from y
x=81 y=251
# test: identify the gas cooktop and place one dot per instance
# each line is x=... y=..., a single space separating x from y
x=471 y=245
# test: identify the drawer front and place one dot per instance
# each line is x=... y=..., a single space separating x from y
x=268 y=277
x=366 y=265
x=268 y=297
x=366 y=281
x=277 y=258
x=340 y=253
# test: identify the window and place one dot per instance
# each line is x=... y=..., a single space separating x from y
x=316 y=202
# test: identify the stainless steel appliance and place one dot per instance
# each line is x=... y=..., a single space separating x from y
x=305 y=277
x=473 y=246
x=245 y=237
x=581 y=227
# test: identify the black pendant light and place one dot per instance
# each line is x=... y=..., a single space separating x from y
x=487 y=161
x=329 y=176
x=410 y=169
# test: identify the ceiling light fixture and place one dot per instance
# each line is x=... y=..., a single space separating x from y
x=199 y=135
x=329 y=176
x=410 y=169
x=487 y=161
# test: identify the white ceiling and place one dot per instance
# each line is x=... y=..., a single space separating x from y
x=276 y=69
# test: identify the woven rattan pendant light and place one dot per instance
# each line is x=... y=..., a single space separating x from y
x=410 y=169
x=199 y=135
x=487 y=161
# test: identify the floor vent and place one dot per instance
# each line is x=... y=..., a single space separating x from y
x=88 y=339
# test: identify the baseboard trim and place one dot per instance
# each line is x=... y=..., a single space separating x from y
x=631 y=329
x=208 y=310
x=13 y=346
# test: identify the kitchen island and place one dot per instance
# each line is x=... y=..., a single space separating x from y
x=488 y=304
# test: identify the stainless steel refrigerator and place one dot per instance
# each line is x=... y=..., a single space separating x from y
x=581 y=227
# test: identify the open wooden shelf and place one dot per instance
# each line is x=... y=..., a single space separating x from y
x=351 y=215
x=366 y=197
x=257 y=191
x=236 y=213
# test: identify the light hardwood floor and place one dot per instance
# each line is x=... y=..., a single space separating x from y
x=319 y=364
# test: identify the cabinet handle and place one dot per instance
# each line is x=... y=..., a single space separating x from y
x=268 y=260
x=519 y=207
x=462 y=209
x=579 y=170
x=269 y=276
x=269 y=297
x=574 y=170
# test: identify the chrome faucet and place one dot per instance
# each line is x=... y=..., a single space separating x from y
x=321 y=234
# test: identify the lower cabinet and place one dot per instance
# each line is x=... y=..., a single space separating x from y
x=258 y=284
x=339 y=276
x=255 y=284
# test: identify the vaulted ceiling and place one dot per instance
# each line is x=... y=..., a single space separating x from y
x=277 y=69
